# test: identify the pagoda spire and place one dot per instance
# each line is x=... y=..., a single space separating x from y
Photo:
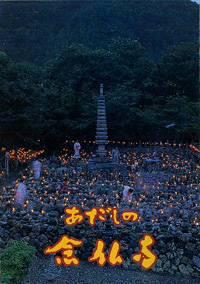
x=101 y=91
x=101 y=134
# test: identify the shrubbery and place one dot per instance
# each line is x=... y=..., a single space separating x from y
x=15 y=261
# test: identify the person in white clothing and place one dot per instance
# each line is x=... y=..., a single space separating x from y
x=127 y=194
x=21 y=193
x=37 y=169
x=77 y=147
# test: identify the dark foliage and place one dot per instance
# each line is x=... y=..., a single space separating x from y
x=143 y=92
x=36 y=31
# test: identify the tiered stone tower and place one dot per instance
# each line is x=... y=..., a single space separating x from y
x=101 y=134
x=101 y=160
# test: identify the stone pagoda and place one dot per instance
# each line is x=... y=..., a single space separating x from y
x=101 y=134
x=101 y=160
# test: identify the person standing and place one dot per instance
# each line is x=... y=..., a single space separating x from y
x=21 y=192
x=153 y=168
x=127 y=194
x=63 y=187
x=77 y=147
x=115 y=155
x=37 y=169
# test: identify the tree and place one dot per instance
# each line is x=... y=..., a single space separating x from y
x=178 y=71
x=22 y=99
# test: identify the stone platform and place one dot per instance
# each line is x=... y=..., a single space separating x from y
x=101 y=163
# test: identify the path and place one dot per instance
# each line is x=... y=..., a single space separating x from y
x=91 y=273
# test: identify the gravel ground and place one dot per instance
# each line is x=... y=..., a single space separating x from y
x=91 y=273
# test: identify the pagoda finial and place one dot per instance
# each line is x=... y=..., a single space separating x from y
x=101 y=89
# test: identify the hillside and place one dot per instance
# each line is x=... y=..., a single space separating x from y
x=37 y=31
x=54 y=55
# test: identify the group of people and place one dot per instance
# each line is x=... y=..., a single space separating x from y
x=115 y=154
x=21 y=192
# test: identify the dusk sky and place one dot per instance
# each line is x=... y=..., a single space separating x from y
x=197 y=1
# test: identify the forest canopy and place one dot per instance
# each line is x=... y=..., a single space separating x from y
x=55 y=55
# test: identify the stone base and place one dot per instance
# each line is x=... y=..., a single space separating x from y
x=101 y=153
x=77 y=157
x=101 y=163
